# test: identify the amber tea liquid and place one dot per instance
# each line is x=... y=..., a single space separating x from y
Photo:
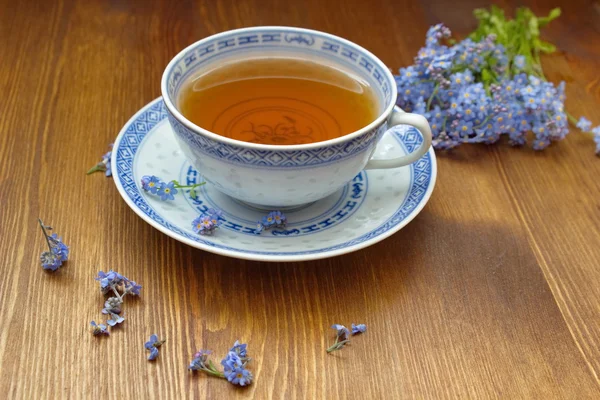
x=278 y=101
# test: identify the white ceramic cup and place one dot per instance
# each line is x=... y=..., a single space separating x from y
x=282 y=176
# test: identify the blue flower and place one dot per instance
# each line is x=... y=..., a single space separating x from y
x=62 y=249
x=235 y=368
x=199 y=362
x=239 y=349
x=57 y=253
x=465 y=128
x=231 y=361
x=596 y=130
x=105 y=164
x=151 y=183
x=239 y=376
x=166 y=191
x=540 y=144
x=153 y=344
x=584 y=124
x=133 y=288
x=203 y=225
x=115 y=319
x=342 y=332
x=519 y=62
x=112 y=305
x=50 y=260
x=108 y=279
x=99 y=329
x=360 y=328
x=215 y=215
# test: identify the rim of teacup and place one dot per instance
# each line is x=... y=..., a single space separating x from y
x=205 y=132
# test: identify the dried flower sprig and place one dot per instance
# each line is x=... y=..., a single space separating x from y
x=57 y=253
x=167 y=190
x=200 y=362
x=342 y=337
x=120 y=286
x=153 y=344
x=105 y=164
x=99 y=329
x=234 y=365
x=206 y=224
x=274 y=219
x=358 y=328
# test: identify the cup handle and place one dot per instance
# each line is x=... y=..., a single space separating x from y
x=419 y=122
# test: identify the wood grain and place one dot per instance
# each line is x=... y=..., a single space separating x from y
x=492 y=292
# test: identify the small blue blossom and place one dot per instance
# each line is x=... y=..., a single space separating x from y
x=109 y=279
x=272 y=219
x=199 y=362
x=99 y=329
x=235 y=368
x=153 y=344
x=239 y=349
x=151 y=183
x=115 y=319
x=360 y=328
x=57 y=253
x=112 y=306
x=341 y=331
x=239 y=376
x=519 y=62
x=166 y=191
x=584 y=124
x=596 y=130
x=342 y=337
x=50 y=260
x=215 y=215
x=203 y=225
x=105 y=164
x=133 y=288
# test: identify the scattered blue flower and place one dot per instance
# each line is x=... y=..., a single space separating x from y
x=239 y=349
x=203 y=225
x=359 y=328
x=153 y=344
x=234 y=366
x=239 y=376
x=342 y=337
x=200 y=361
x=166 y=191
x=105 y=164
x=274 y=219
x=99 y=329
x=57 y=253
x=584 y=124
x=112 y=306
x=115 y=319
x=133 y=288
x=596 y=130
x=151 y=183
x=341 y=331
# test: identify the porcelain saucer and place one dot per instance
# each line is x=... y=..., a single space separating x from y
x=373 y=206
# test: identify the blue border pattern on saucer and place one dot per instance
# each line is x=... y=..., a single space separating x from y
x=423 y=173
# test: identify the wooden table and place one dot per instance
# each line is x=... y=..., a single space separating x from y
x=493 y=290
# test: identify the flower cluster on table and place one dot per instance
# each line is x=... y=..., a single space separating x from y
x=120 y=286
x=342 y=335
x=481 y=88
x=57 y=253
x=234 y=365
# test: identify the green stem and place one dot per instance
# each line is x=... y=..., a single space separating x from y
x=435 y=90
x=96 y=168
x=571 y=118
x=178 y=186
x=337 y=345
x=444 y=124
x=45 y=234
